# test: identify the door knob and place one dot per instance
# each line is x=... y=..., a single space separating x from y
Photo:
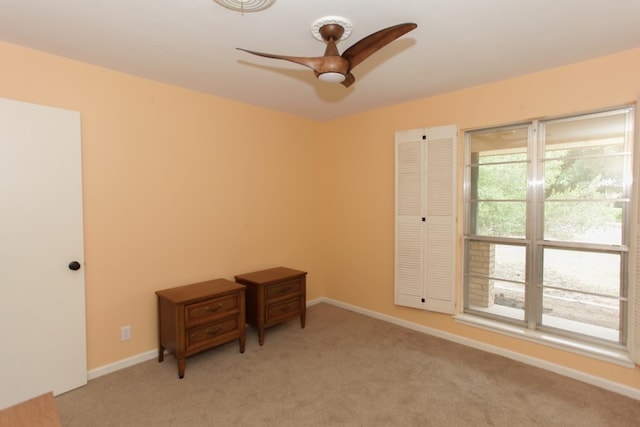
x=74 y=265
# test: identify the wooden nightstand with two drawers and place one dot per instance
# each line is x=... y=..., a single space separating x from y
x=274 y=296
x=194 y=318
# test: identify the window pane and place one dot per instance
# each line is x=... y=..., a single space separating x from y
x=598 y=317
x=587 y=131
x=496 y=279
x=498 y=142
x=510 y=265
x=510 y=262
x=498 y=182
x=505 y=181
x=509 y=300
x=581 y=291
x=593 y=272
x=501 y=219
x=584 y=179
x=587 y=222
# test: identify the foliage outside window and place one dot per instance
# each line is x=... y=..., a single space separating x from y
x=547 y=207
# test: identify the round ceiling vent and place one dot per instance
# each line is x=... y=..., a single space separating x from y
x=245 y=5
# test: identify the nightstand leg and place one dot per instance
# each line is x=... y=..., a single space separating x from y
x=241 y=341
x=261 y=335
x=181 y=366
x=160 y=353
x=303 y=318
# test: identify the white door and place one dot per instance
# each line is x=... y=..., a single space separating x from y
x=42 y=303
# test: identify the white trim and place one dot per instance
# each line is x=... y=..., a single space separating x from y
x=316 y=301
x=143 y=357
x=633 y=305
x=121 y=364
x=622 y=389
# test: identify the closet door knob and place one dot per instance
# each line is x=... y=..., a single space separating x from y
x=74 y=265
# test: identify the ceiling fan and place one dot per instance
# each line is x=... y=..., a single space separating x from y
x=336 y=68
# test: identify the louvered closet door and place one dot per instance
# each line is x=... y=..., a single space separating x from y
x=440 y=237
x=410 y=230
x=426 y=218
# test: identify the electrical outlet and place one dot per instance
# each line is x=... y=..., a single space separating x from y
x=125 y=333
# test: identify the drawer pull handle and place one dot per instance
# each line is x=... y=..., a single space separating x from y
x=214 y=309
x=288 y=308
x=284 y=290
x=214 y=332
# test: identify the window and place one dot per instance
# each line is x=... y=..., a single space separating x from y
x=547 y=216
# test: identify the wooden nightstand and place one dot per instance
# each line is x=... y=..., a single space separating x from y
x=197 y=317
x=274 y=296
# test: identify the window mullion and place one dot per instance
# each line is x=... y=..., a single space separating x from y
x=533 y=297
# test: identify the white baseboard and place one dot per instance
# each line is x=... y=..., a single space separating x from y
x=558 y=369
x=121 y=364
x=143 y=357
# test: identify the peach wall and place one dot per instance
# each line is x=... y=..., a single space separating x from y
x=181 y=186
x=178 y=187
x=358 y=179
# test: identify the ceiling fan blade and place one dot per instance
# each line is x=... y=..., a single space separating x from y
x=374 y=42
x=314 y=63
x=348 y=80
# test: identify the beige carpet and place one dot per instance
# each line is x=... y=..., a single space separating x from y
x=343 y=369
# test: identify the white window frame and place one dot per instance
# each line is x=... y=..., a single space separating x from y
x=622 y=353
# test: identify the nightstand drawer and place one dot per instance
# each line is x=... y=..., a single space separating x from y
x=289 y=308
x=210 y=333
x=196 y=314
x=279 y=290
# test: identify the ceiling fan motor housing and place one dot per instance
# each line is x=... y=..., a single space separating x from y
x=333 y=64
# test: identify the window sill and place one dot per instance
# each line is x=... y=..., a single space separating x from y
x=619 y=356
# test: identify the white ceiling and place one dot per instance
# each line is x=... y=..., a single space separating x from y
x=191 y=43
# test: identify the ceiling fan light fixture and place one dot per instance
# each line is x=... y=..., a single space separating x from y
x=245 y=5
x=331 y=77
